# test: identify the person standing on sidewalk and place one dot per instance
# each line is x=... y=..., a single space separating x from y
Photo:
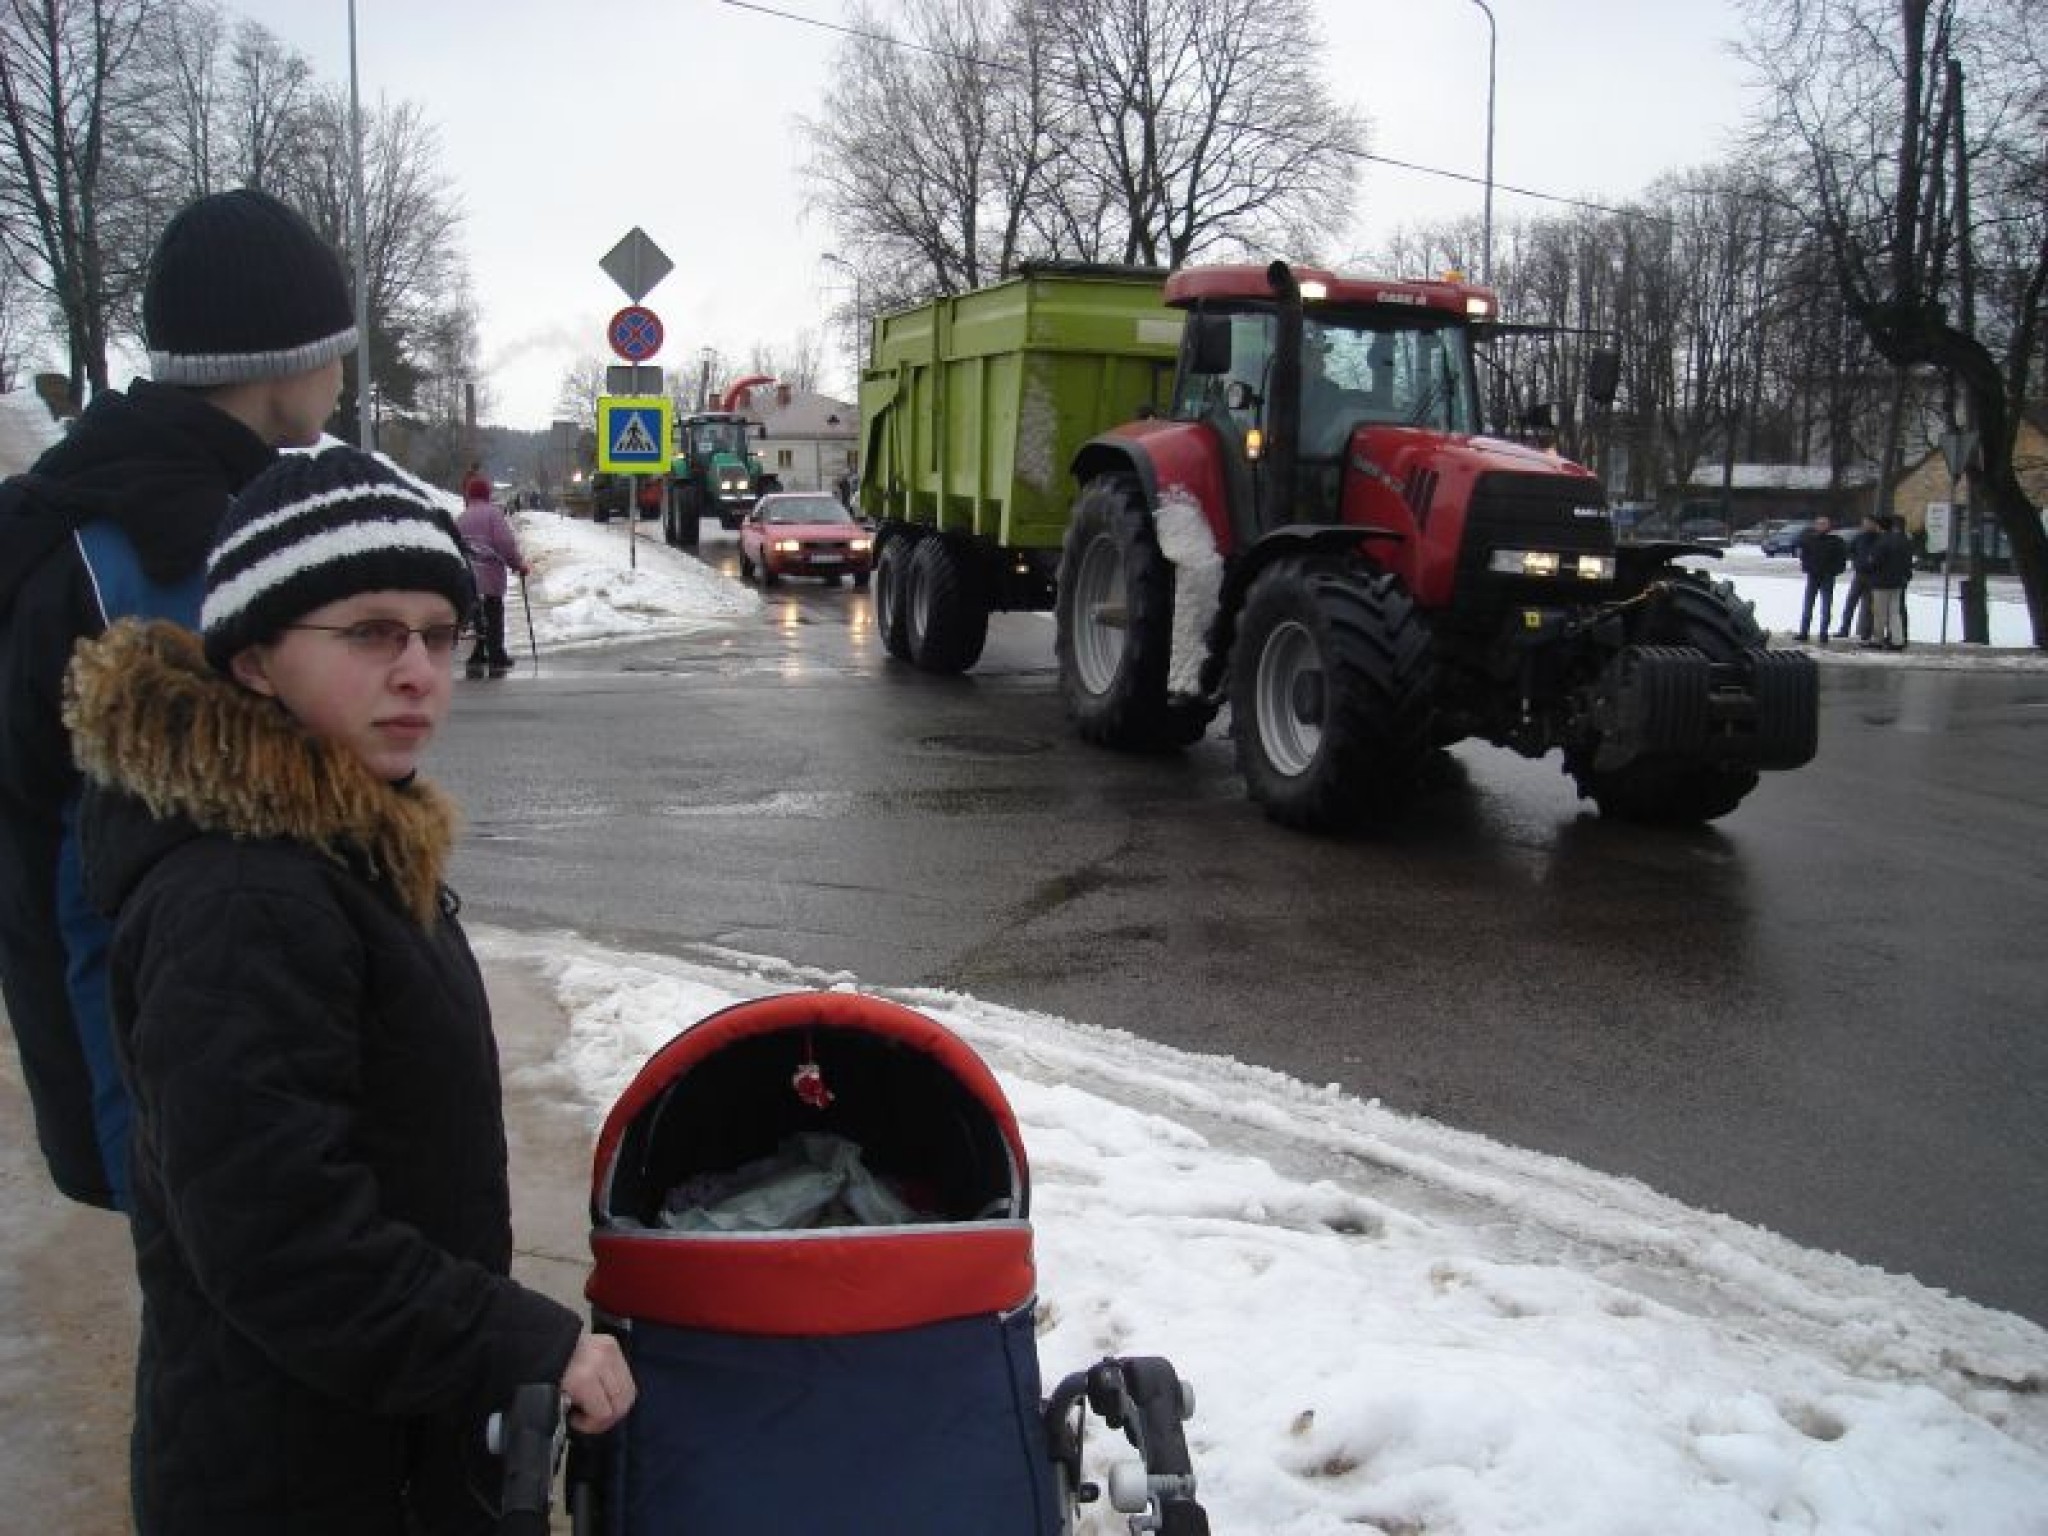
x=1856 y=606
x=493 y=554
x=247 y=317
x=1822 y=555
x=1891 y=568
x=321 y=1203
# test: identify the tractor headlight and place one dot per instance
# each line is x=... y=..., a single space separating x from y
x=1548 y=563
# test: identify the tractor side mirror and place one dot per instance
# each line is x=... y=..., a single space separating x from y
x=1603 y=376
x=1540 y=417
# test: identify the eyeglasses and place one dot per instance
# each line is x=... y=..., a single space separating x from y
x=385 y=640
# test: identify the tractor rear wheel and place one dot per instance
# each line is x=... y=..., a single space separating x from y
x=946 y=618
x=1330 y=695
x=1115 y=627
x=1662 y=789
x=892 y=591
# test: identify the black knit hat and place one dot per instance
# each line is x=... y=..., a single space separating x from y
x=240 y=287
x=312 y=529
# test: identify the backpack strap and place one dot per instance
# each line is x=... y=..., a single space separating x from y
x=120 y=586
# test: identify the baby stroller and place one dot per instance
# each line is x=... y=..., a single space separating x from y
x=811 y=1236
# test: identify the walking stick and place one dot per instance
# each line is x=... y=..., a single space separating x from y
x=532 y=645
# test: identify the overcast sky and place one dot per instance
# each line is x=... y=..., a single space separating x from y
x=563 y=125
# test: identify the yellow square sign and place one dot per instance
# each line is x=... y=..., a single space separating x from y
x=633 y=434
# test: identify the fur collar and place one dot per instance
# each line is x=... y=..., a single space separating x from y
x=149 y=718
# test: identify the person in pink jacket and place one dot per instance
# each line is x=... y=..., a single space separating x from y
x=493 y=554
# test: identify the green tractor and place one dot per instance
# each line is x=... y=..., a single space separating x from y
x=715 y=472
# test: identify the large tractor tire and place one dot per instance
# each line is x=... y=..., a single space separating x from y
x=1664 y=789
x=684 y=510
x=892 y=595
x=1115 y=626
x=1330 y=695
x=945 y=617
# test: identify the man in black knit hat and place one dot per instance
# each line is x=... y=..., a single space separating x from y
x=247 y=316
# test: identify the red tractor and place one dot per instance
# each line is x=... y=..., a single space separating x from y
x=1318 y=533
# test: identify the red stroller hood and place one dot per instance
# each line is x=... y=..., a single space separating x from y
x=923 y=1107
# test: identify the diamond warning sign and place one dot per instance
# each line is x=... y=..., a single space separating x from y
x=632 y=435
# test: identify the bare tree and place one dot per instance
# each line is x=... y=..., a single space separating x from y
x=1206 y=123
x=418 y=282
x=60 y=62
x=1910 y=192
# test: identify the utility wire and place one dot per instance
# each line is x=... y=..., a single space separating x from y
x=911 y=46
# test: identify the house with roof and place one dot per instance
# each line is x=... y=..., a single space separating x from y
x=1925 y=482
x=808 y=441
x=1755 y=494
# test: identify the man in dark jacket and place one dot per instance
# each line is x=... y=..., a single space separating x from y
x=1891 y=568
x=247 y=316
x=1822 y=555
x=1856 y=606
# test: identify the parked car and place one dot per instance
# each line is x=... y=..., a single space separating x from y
x=803 y=533
x=1784 y=538
x=1704 y=530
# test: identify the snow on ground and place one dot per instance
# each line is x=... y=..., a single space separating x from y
x=1394 y=1326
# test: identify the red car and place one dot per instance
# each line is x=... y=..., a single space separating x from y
x=804 y=533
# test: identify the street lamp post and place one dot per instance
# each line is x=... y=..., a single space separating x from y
x=1492 y=37
x=841 y=261
x=366 y=431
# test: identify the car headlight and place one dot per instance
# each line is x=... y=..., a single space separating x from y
x=1548 y=563
x=859 y=546
x=786 y=546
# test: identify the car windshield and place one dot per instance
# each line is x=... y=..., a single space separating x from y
x=805 y=509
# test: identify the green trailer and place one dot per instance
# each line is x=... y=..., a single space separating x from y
x=974 y=407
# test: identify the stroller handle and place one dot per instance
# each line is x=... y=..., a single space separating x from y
x=528 y=1437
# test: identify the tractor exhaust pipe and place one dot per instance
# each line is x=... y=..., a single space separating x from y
x=1283 y=403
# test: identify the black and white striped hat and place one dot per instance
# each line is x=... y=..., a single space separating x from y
x=312 y=529
x=240 y=287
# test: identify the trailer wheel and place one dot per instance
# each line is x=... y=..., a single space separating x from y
x=945 y=619
x=1660 y=789
x=1115 y=627
x=1330 y=695
x=892 y=590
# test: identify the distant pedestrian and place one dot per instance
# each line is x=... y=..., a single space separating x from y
x=1822 y=556
x=246 y=317
x=493 y=554
x=322 y=1217
x=1891 y=567
x=1856 y=606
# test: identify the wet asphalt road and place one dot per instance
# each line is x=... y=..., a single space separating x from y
x=1823 y=1016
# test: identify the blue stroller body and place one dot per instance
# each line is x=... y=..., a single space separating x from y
x=872 y=1369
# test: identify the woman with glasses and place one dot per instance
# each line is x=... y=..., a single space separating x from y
x=322 y=1217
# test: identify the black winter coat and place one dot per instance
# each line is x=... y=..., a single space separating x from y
x=1891 y=560
x=1822 y=556
x=162 y=463
x=322 y=1216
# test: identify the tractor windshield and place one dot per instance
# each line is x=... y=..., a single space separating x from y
x=711 y=438
x=1370 y=369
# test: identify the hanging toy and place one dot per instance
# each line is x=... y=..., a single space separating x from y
x=809 y=1081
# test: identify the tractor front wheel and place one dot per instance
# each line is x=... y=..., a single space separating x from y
x=1665 y=789
x=1330 y=695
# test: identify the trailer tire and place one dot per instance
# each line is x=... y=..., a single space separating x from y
x=892 y=592
x=1330 y=695
x=945 y=620
x=1662 y=789
x=1113 y=675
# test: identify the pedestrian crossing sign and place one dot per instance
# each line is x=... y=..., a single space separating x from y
x=632 y=434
